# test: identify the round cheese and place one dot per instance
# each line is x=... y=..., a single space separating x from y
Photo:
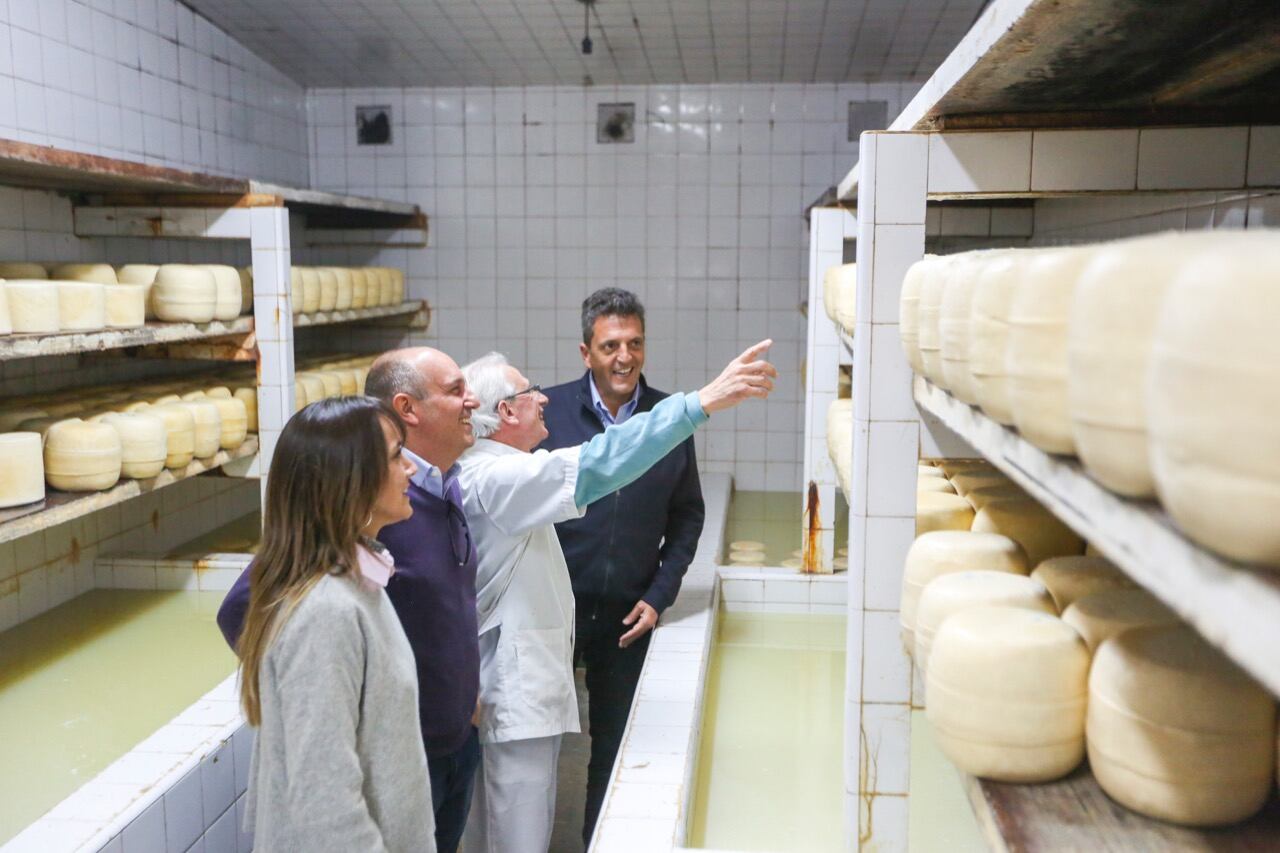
x=1176 y=731
x=21 y=469
x=184 y=293
x=328 y=288
x=929 y=471
x=308 y=389
x=137 y=274
x=398 y=290
x=989 y=332
x=1007 y=690
x=180 y=433
x=1069 y=579
x=6 y=324
x=909 y=310
x=1036 y=355
x=966 y=481
x=22 y=270
x=33 y=306
x=246 y=290
x=347 y=381
x=331 y=381
x=82 y=306
x=1032 y=526
x=942 y=511
x=226 y=283
x=379 y=285
x=928 y=314
x=126 y=305
x=1213 y=399
x=296 y=298
x=218 y=392
x=310 y=290
x=982 y=495
x=208 y=427
x=793 y=563
x=747 y=558
x=359 y=288
x=81 y=457
x=389 y=286
x=143 y=442
x=934 y=484
x=844 y=280
x=953 y=322
x=746 y=545
x=233 y=418
x=345 y=283
x=99 y=273
x=1107 y=613
x=953 y=592
x=249 y=396
x=945 y=552
x=830 y=292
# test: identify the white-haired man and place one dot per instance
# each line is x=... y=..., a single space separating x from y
x=524 y=601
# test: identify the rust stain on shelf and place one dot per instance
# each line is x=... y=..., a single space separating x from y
x=813 y=533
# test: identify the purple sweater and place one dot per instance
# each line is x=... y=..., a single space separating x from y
x=434 y=594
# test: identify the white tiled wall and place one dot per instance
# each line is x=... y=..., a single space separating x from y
x=1075 y=220
x=149 y=81
x=701 y=216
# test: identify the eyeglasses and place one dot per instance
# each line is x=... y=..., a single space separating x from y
x=532 y=389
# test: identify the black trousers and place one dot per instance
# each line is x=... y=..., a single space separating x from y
x=453 y=778
x=612 y=674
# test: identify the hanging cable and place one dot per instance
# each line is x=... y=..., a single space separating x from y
x=586 y=26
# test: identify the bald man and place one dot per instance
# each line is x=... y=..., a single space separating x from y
x=434 y=585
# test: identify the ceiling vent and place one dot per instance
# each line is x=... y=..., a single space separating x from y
x=615 y=123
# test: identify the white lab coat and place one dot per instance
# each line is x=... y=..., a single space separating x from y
x=512 y=500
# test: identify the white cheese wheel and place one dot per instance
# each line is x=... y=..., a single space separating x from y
x=33 y=306
x=6 y=324
x=1032 y=526
x=840 y=440
x=82 y=306
x=342 y=277
x=1069 y=579
x=184 y=293
x=21 y=469
x=953 y=592
x=347 y=381
x=928 y=314
x=1213 y=399
x=359 y=288
x=249 y=396
x=192 y=395
x=953 y=322
x=1107 y=613
x=311 y=290
x=22 y=269
x=983 y=495
x=143 y=441
x=934 y=484
x=137 y=274
x=1176 y=731
x=388 y=286
x=81 y=457
x=379 y=285
x=99 y=273
x=1007 y=690
x=218 y=392
x=989 y=332
x=909 y=310
x=331 y=381
x=966 y=481
x=296 y=297
x=308 y=388
x=10 y=418
x=830 y=292
x=208 y=427
x=126 y=305
x=246 y=290
x=942 y=511
x=945 y=552
x=328 y=288
x=843 y=279
x=233 y=418
x=398 y=290
x=180 y=433
x=1036 y=355
x=226 y=282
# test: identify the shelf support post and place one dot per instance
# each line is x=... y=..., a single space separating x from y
x=273 y=324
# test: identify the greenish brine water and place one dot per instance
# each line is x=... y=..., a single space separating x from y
x=775 y=518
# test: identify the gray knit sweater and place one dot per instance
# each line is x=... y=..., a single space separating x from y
x=339 y=763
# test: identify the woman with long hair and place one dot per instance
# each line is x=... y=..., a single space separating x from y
x=327 y=676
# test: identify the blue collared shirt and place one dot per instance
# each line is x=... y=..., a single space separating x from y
x=625 y=411
x=428 y=476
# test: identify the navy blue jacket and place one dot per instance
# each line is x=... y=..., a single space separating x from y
x=636 y=543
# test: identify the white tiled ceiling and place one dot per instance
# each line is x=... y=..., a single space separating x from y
x=356 y=43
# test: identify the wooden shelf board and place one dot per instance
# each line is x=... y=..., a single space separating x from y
x=356 y=315
x=70 y=343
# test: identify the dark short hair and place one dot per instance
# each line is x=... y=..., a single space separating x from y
x=392 y=375
x=609 y=302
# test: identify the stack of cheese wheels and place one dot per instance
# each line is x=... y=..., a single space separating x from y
x=6 y=325
x=909 y=310
x=184 y=293
x=840 y=440
x=98 y=273
x=22 y=269
x=1007 y=690
x=831 y=292
x=180 y=432
x=1176 y=731
x=942 y=511
x=1213 y=398
x=1107 y=613
x=126 y=305
x=1032 y=526
x=142 y=275
x=21 y=469
x=949 y=594
x=945 y=552
x=1071 y=578
x=33 y=306
x=82 y=305
x=989 y=332
x=143 y=442
x=954 y=319
x=227 y=298
x=1036 y=354
x=81 y=457
x=928 y=313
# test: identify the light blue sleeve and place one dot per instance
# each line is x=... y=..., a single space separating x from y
x=624 y=451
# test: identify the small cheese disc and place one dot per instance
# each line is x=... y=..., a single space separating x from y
x=22 y=270
x=746 y=545
x=1176 y=731
x=226 y=282
x=98 y=273
x=81 y=457
x=328 y=288
x=952 y=592
x=359 y=288
x=33 y=306
x=944 y=552
x=126 y=305
x=82 y=305
x=1032 y=526
x=208 y=427
x=344 y=284
x=143 y=442
x=180 y=432
x=184 y=293
x=942 y=511
x=21 y=469
x=1107 y=613
x=1069 y=579
x=1007 y=692
x=310 y=289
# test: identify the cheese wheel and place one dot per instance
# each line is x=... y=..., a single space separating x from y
x=944 y=552
x=953 y=322
x=344 y=283
x=167 y=398
x=328 y=288
x=297 y=298
x=1176 y=731
x=379 y=285
x=233 y=419
x=746 y=545
x=928 y=313
x=10 y=418
x=180 y=433
x=348 y=382
x=1107 y=613
x=388 y=286
x=246 y=290
x=311 y=290
x=359 y=288
x=966 y=481
x=830 y=292
x=81 y=457
x=143 y=441
x=989 y=332
x=909 y=310
x=953 y=592
x=983 y=495
x=1032 y=526
x=208 y=427
x=33 y=306
x=951 y=467
x=21 y=469
x=331 y=381
x=22 y=270
x=1069 y=579
x=126 y=305
x=309 y=388
x=192 y=395
x=793 y=563
x=220 y=392
x=747 y=557
x=227 y=288
x=1213 y=399
x=137 y=274
x=843 y=284
x=840 y=440
x=930 y=471
x=942 y=511
x=82 y=306
x=184 y=293
x=398 y=290
x=248 y=396
x=934 y=484
x=1007 y=691
x=1036 y=355
x=98 y=273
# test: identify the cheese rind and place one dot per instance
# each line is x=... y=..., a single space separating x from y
x=184 y=293
x=343 y=280
x=954 y=322
x=328 y=288
x=1032 y=526
x=249 y=396
x=21 y=469
x=226 y=281
x=81 y=457
x=143 y=442
x=82 y=306
x=989 y=332
x=955 y=592
x=180 y=433
x=99 y=273
x=1071 y=578
x=942 y=511
x=126 y=305
x=928 y=314
x=208 y=427
x=909 y=311
x=1107 y=613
